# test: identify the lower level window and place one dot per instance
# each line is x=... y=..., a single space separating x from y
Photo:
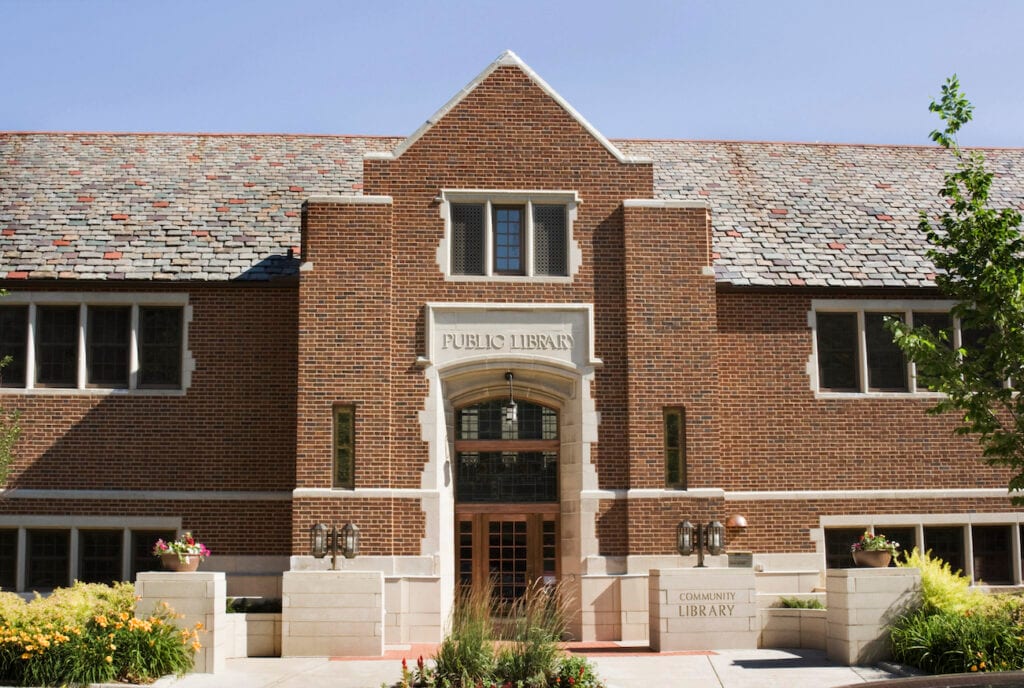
x=993 y=562
x=99 y=555
x=48 y=564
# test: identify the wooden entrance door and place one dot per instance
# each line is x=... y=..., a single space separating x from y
x=506 y=491
x=511 y=550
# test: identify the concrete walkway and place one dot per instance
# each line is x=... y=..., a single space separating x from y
x=625 y=668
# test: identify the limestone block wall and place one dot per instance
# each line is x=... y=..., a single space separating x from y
x=793 y=628
x=412 y=610
x=201 y=597
x=692 y=608
x=332 y=614
x=861 y=605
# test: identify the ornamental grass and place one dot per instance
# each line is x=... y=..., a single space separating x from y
x=88 y=633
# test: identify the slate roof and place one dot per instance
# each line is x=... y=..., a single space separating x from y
x=227 y=207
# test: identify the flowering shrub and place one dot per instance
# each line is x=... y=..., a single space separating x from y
x=870 y=542
x=89 y=634
x=185 y=546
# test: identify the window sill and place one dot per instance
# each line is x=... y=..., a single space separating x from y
x=90 y=392
x=528 y=279
x=879 y=395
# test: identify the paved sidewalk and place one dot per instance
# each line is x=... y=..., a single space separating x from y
x=620 y=668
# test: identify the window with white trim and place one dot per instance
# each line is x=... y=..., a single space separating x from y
x=508 y=235
x=94 y=341
x=855 y=353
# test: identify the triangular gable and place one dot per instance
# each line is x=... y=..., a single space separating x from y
x=507 y=58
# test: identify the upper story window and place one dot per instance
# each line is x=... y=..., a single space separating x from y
x=509 y=235
x=855 y=353
x=94 y=341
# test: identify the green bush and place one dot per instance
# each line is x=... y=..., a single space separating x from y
x=942 y=589
x=499 y=646
x=944 y=642
x=800 y=603
x=957 y=628
x=89 y=634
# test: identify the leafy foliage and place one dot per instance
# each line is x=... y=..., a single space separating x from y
x=10 y=430
x=516 y=645
x=942 y=589
x=979 y=252
x=800 y=603
x=89 y=634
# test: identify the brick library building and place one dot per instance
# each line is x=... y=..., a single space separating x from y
x=504 y=347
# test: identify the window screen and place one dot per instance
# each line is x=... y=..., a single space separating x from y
x=57 y=346
x=13 y=343
x=549 y=240
x=467 y=238
x=887 y=369
x=160 y=335
x=838 y=370
x=108 y=338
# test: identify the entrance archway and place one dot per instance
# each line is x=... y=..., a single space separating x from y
x=506 y=496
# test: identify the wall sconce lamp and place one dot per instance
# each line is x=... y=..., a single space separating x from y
x=324 y=541
x=709 y=536
x=736 y=521
x=511 y=410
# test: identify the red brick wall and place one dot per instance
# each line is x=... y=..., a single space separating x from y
x=227 y=527
x=506 y=134
x=232 y=430
x=777 y=436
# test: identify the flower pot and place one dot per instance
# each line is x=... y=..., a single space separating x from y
x=878 y=559
x=171 y=562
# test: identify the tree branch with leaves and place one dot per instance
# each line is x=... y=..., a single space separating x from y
x=978 y=251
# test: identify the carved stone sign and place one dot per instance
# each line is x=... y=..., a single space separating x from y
x=701 y=609
x=463 y=332
x=707 y=603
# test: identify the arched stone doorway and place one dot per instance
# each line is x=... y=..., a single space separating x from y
x=506 y=496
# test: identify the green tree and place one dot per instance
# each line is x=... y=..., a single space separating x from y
x=979 y=253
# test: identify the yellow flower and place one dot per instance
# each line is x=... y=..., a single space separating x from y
x=26 y=655
x=974 y=668
x=199 y=625
x=108 y=659
x=113 y=646
x=196 y=645
x=101 y=620
x=123 y=616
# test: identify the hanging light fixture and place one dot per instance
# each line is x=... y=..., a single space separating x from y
x=511 y=410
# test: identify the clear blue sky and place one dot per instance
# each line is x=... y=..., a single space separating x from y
x=816 y=70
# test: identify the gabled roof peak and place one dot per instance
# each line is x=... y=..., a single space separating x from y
x=507 y=58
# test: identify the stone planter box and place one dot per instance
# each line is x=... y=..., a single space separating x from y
x=793 y=628
x=253 y=635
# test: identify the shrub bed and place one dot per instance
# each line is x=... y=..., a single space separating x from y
x=88 y=633
x=958 y=629
x=505 y=646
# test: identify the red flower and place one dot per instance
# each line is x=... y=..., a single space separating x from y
x=419 y=662
x=572 y=681
x=405 y=666
x=190 y=540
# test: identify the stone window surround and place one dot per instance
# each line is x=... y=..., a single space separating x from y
x=526 y=198
x=859 y=307
x=1013 y=521
x=74 y=524
x=84 y=300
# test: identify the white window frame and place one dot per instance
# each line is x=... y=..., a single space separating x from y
x=83 y=300
x=74 y=525
x=906 y=307
x=527 y=199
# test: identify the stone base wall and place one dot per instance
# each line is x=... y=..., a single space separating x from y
x=861 y=605
x=332 y=614
x=201 y=598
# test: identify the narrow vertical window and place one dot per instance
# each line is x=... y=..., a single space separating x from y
x=107 y=339
x=344 y=446
x=508 y=240
x=838 y=369
x=13 y=343
x=467 y=238
x=675 y=447
x=549 y=240
x=887 y=368
x=57 y=346
x=160 y=335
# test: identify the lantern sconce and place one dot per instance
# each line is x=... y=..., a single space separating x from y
x=511 y=410
x=703 y=536
x=324 y=541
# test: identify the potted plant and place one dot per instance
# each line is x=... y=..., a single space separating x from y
x=182 y=554
x=874 y=550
